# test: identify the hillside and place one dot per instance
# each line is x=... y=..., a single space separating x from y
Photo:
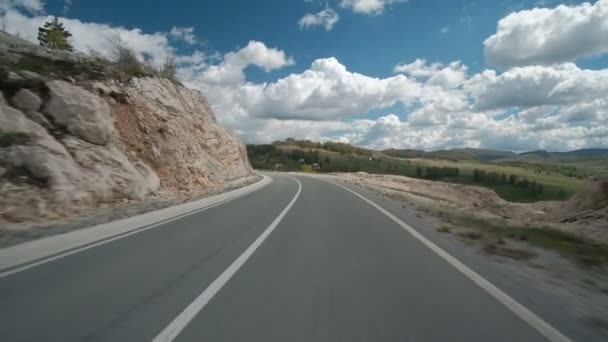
x=515 y=177
x=452 y=154
x=77 y=133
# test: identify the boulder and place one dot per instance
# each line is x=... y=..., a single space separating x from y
x=27 y=101
x=43 y=157
x=12 y=120
x=39 y=118
x=115 y=176
x=30 y=75
x=82 y=113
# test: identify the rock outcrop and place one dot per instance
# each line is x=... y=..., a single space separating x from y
x=71 y=146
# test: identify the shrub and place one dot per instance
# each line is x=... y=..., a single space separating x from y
x=169 y=68
x=306 y=168
x=125 y=58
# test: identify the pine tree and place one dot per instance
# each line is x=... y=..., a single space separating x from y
x=53 y=35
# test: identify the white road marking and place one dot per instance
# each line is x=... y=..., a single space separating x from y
x=117 y=237
x=181 y=321
x=522 y=312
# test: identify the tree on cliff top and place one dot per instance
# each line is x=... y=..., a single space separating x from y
x=53 y=35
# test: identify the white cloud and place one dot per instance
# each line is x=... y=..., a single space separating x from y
x=548 y=36
x=444 y=106
x=444 y=30
x=368 y=7
x=66 y=5
x=534 y=86
x=184 y=33
x=326 y=18
x=419 y=68
x=231 y=70
x=34 y=6
x=450 y=76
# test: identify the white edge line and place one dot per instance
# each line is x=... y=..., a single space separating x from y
x=103 y=241
x=180 y=322
x=522 y=312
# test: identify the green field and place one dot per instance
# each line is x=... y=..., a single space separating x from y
x=538 y=176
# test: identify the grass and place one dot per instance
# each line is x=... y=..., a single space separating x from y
x=445 y=228
x=48 y=67
x=509 y=252
x=567 y=245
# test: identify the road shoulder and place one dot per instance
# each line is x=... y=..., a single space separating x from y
x=29 y=254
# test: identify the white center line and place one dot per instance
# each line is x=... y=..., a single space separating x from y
x=181 y=321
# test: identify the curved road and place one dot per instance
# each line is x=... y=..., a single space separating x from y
x=298 y=260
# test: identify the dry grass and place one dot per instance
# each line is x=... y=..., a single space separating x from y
x=507 y=251
x=445 y=228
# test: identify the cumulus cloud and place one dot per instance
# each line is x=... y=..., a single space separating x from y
x=533 y=86
x=443 y=105
x=328 y=91
x=326 y=18
x=419 y=68
x=185 y=34
x=549 y=35
x=450 y=76
x=368 y=7
x=230 y=71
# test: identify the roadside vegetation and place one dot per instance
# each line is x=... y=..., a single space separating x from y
x=499 y=238
x=540 y=179
x=122 y=63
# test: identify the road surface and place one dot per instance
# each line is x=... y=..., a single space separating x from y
x=298 y=260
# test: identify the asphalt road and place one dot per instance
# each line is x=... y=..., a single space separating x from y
x=329 y=268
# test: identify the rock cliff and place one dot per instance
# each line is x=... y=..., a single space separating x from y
x=70 y=142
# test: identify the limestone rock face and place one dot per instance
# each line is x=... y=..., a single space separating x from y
x=107 y=142
x=101 y=139
x=80 y=112
x=174 y=130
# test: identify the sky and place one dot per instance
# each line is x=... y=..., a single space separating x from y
x=423 y=74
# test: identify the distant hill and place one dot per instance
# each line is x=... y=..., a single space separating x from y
x=532 y=180
x=584 y=153
x=542 y=156
x=456 y=154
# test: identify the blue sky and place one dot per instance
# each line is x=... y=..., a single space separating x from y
x=268 y=76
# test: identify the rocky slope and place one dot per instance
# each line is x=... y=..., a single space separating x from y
x=71 y=142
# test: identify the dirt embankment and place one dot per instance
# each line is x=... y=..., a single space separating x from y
x=584 y=215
